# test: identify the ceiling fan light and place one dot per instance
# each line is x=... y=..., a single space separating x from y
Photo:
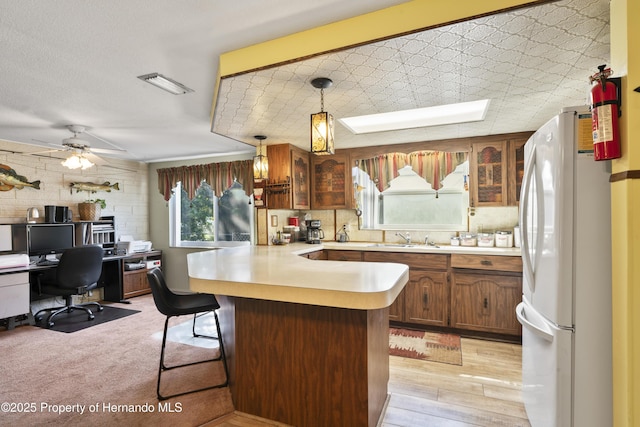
x=76 y=161
x=165 y=83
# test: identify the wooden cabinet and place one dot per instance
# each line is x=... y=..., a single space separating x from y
x=489 y=164
x=330 y=182
x=337 y=255
x=288 y=184
x=496 y=170
x=425 y=298
x=316 y=255
x=134 y=281
x=515 y=151
x=485 y=291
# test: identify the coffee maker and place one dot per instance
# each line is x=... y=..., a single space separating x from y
x=314 y=232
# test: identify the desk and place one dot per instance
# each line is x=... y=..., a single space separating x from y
x=18 y=285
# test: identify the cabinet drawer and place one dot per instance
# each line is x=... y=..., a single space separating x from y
x=344 y=255
x=487 y=262
x=413 y=260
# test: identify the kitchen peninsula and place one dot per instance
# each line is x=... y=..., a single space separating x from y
x=307 y=341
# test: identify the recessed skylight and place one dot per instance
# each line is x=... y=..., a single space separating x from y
x=463 y=112
x=165 y=83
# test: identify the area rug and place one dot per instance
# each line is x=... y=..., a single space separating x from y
x=431 y=346
x=77 y=319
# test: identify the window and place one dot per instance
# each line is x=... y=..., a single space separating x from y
x=210 y=221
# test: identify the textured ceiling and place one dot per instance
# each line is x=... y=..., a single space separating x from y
x=76 y=61
x=529 y=62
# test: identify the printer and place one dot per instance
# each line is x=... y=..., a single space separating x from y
x=127 y=245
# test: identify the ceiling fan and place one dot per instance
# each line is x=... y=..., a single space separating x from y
x=82 y=154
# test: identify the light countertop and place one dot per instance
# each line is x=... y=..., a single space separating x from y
x=278 y=273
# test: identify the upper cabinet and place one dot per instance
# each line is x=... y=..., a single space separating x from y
x=496 y=170
x=516 y=168
x=489 y=162
x=331 y=182
x=288 y=185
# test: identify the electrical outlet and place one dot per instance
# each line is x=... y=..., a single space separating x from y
x=346 y=228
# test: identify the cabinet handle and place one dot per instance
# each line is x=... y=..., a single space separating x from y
x=486 y=262
x=486 y=303
x=425 y=298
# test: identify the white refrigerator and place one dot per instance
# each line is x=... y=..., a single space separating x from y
x=565 y=231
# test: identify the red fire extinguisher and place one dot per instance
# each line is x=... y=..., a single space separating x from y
x=604 y=115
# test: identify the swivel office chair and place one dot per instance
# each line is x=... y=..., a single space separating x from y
x=173 y=304
x=77 y=273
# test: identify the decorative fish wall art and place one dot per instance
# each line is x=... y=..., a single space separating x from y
x=92 y=187
x=10 y=179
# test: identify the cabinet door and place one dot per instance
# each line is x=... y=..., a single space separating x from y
x=426 y=298
x=135 y=283
x=516 y=169
x=489 y=163
x=486 y=302
x=300 y=174
x=330 y=181
x=396 y=310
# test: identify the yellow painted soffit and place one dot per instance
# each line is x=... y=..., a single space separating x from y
x=404 y=18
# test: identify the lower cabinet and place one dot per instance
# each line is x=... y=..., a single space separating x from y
x=485 y=302
x=466 y=292
x=485 y=291
x=425 y=298
x=134 y=281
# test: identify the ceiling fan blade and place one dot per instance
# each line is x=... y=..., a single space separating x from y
x=106 y=150
x=94 y=159
x=115 y=148
x=50 y=144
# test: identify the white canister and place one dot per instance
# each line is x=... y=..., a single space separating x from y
x=504 y=239
x=516 y=233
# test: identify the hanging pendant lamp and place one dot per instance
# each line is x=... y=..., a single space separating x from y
x=322 y=139
x=260 y=162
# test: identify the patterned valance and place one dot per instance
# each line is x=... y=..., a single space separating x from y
x=219 y=176
x=433 y=166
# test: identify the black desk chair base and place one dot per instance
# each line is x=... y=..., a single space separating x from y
x=221 y=357
x=68 y=308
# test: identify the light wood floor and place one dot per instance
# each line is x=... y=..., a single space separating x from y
x=484 y=391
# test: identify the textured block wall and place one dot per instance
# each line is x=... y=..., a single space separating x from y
x=129 y=204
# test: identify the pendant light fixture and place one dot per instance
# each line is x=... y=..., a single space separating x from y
x=322 y=122
x=260 y=162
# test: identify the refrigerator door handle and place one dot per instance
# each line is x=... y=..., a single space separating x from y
x=541 y=331
x=527 y=265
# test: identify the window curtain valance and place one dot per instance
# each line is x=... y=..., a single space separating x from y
x=433 y=166
x=219 y=176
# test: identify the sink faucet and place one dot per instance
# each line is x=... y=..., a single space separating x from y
x=406 y=237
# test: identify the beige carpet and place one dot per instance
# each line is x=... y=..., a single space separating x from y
x=109 y=371
x=431 y=346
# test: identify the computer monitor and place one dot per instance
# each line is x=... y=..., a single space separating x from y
x=49 y=239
